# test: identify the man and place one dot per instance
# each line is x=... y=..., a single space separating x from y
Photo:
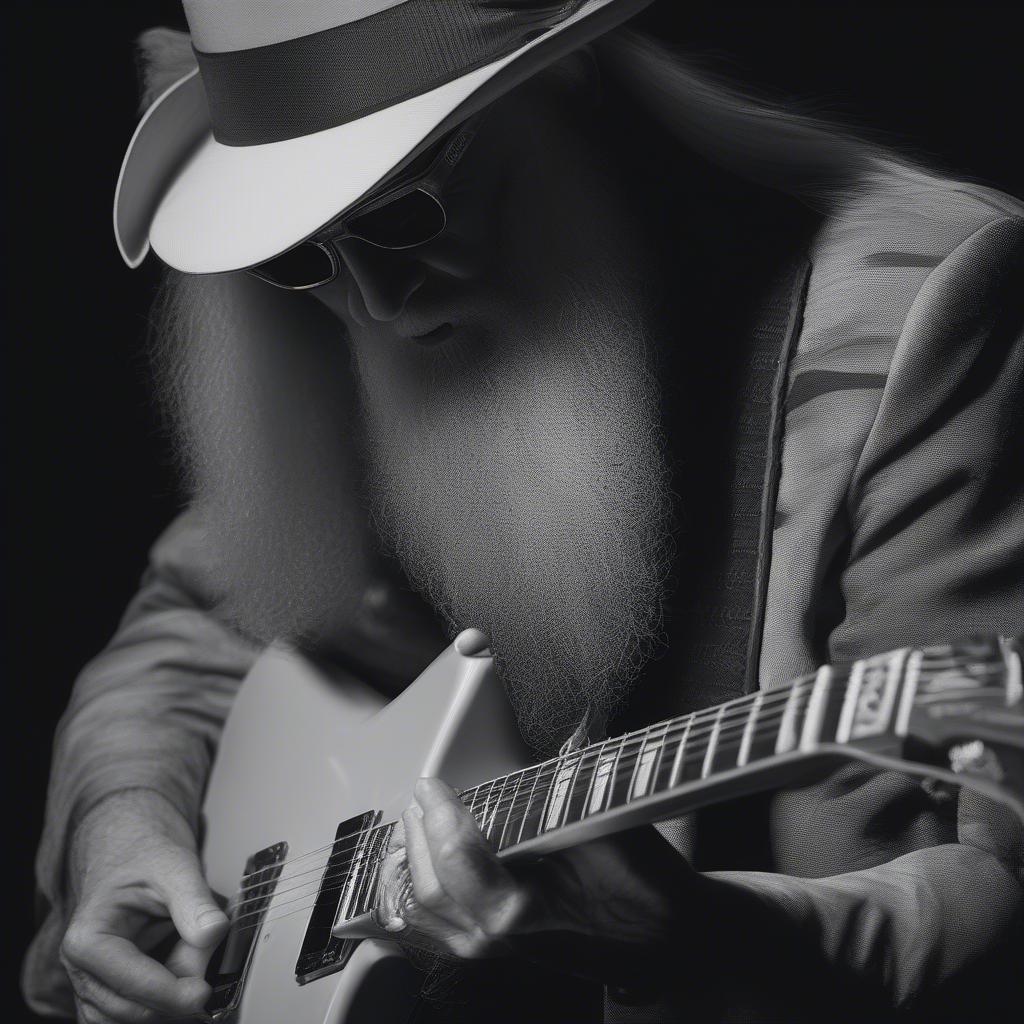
x=493 y=413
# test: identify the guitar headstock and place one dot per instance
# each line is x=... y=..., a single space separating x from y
x=964 y=713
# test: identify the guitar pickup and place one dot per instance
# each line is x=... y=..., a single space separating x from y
x=322 y=953
x=230 y=962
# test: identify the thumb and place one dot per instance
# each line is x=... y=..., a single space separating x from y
x=196 y=916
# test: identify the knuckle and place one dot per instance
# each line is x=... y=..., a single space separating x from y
x=452 y=850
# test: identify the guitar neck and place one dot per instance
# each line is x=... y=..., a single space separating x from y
x=761 y=740
x=869 y=709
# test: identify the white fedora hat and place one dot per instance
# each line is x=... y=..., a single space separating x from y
x=299 y=107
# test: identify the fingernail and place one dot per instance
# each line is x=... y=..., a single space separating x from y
x=394 y=924
x=415 y=810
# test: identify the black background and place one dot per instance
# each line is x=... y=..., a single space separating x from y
x=90 y=481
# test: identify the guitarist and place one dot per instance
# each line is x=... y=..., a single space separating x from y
x=560 y=419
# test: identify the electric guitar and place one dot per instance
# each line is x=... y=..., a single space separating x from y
x=314 y=769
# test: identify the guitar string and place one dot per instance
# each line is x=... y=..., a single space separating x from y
x=696 y=721
x=617 y=749
x=731 y=738
x=731 y=734
x=271 y=912
x=662 y=731
x=544 y=770
x=706 y=714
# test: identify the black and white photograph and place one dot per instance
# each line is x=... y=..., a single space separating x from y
x=515 y=511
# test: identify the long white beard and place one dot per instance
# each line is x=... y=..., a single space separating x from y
x=524 y=487
x=526 y=492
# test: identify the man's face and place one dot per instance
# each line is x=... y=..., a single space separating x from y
x=511 y=448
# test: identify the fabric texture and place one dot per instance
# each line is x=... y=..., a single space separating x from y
x=898 y=519
x=271 y=93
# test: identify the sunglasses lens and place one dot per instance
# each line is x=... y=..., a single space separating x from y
x=409 y=220
x=305 y=266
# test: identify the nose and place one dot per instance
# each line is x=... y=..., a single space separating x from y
x=383 y=280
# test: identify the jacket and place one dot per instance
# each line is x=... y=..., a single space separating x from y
x=895 y=516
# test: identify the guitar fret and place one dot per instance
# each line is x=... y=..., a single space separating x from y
x=849 y=712
x=529 y=802
x=536 y=808
x=642 y=739
x=485 y=807
x=709 y=755
x=495 y=809
x=789 y=729
x=749 y=729
x=660 y=756
x=697 y=743
x=910 y=682
x=559 y=791
x=816 y=705
x=576 y=808
x=599 y=783
x=511 y=811
x=646 y=764
x=679 y=761
x=622 y=774
x=471 y=802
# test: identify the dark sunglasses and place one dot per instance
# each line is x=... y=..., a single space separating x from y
x=409 y=212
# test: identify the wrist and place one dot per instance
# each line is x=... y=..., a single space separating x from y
x=115 y=825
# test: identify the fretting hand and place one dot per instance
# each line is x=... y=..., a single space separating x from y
x=610 y=901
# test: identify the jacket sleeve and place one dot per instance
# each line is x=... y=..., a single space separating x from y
x=899 y=886
x=147 y=712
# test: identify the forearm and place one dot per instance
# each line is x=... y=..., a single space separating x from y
x=148 y=710
x=889 y=934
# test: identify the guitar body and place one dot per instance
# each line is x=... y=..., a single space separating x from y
x=314 y=767
x=304 y=750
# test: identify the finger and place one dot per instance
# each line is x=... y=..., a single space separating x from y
x=198 y=919
x=397 y=840
x=188 y=961
x=120 y=966
x=428 y=893
x=466 y=867
x=98 y=1003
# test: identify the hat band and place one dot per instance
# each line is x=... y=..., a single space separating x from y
x=300 y=86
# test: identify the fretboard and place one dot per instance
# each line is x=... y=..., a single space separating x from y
x=834 y=705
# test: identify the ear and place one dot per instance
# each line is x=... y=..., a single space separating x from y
x=163 y=55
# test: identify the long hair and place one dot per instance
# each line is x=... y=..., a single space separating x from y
x=764 y=141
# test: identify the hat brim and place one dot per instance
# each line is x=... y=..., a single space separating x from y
x=207 y=208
